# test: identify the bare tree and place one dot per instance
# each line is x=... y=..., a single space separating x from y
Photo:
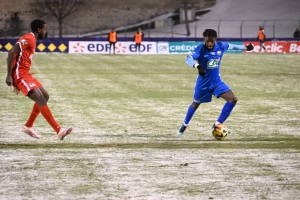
x=62 y=9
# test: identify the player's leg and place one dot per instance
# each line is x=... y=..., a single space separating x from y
x=24 y=84
x=36 y=110
x=139 y=48
x=260 y=46
x=231 y=101
x=28 y=127
x=114 y=47
x=201 y=95
x=263 y=46
x=33 y=115
x=189 y=114
x=37 y=96
x=223 y=91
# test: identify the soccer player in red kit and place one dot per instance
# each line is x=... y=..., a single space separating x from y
x=18 y=75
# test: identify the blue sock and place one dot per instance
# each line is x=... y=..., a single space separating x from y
x=228 y=107
x=189 y=114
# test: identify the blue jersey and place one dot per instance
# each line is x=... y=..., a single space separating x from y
x=210 y=60
x=211 y=83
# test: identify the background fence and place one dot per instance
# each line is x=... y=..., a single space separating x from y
x=166 y=28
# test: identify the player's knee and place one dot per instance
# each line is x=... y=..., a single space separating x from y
x=234 y=100
x=41 y=102
x=47 y=97
x=195 y=105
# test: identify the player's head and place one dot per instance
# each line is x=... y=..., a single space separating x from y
x=261 y=28
x=39 y=28
x=210 y=37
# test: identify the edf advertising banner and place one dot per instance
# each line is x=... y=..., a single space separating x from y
x=103 y=47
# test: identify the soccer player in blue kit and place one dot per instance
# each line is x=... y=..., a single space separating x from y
x=207 y=58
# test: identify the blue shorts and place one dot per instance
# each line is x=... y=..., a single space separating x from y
x=203 y=91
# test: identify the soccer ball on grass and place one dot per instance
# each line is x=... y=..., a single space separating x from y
x=220 y=131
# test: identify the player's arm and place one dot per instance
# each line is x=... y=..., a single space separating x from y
x=190 y=60
x=10 y=60
x=248 y=47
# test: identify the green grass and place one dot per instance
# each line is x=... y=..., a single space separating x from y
x=125 y=111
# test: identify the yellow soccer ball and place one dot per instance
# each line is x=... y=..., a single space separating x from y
x=220 y=131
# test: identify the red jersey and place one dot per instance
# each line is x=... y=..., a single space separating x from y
x=22 y=61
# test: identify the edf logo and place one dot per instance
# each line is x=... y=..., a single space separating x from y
x=143 y=48
x=103 y=47
x=97 y=47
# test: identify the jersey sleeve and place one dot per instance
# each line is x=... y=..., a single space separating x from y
x=225 y=46
x=196 y=53
x=236 y=47
x=190 y=58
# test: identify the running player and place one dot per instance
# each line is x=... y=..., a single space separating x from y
x=207 y=58
x=18 y=75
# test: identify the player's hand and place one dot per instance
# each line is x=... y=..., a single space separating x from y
x=200 y=69
x=249 y=47
x=9 y=81
x=16 y=91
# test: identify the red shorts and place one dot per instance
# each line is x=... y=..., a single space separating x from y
x=27 y=83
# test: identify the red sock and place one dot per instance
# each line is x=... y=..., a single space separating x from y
x=33 y=115
x=49 y=117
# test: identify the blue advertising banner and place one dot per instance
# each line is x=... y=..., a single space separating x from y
x=60 y=46
x=185 y=47
x=182 y=47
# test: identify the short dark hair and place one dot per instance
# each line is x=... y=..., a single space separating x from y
x=36 y=24
x=210 y=33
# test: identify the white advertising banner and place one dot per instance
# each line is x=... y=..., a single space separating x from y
x=95 y=47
